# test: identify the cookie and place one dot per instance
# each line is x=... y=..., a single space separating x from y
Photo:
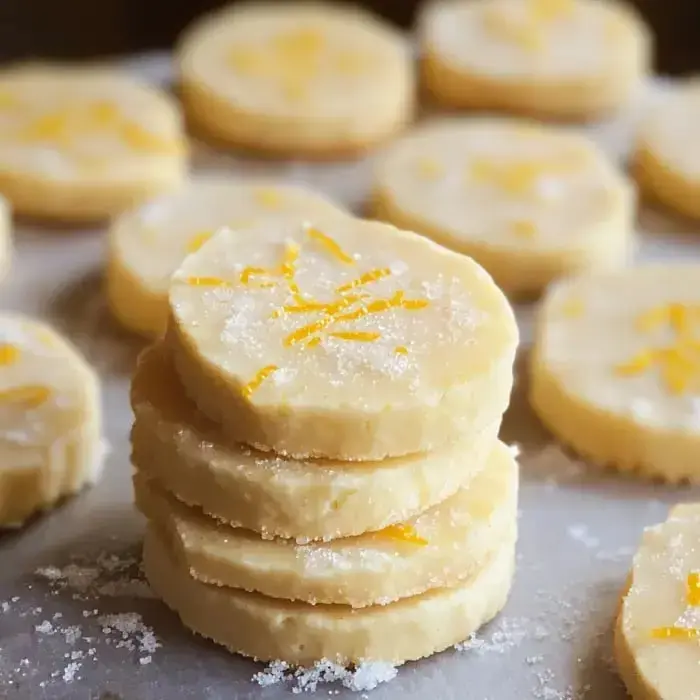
x=558 y=59
x=5 y=237
x=175 y=445
x=50 y=424
x=616 y=368
x=296 y=79
x=665 y=162
x=658 y=626
x=529 y=203
x=147 y=244
x=349 y=339
x=298 y=633
x=441 y=547
x=83 y=144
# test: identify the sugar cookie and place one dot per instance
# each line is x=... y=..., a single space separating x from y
x=562 y=59
x=351 y=340
x=267 y=628
x=174 y=444
x=667 y=155
x=82 y=144
x=616 y=368
x=529 y=203
x=5 y=237
x=658 y=627
x=296 y=79
x=146 y=245
x=49 y=419
x=440 y=547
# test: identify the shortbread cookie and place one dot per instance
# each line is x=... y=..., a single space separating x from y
x=442 y=546
x=184 y=452
x=147 y=244
x=562 y=59
x=50 y=441
x=616 y=368
x=296 y=79
x=658 y=627
x=529 y=203
x=83 y=144
x=298 y=633
x=666 y=162
x=351 y=340
x=5 y=237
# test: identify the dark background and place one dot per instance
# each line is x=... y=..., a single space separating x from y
x=95 y=28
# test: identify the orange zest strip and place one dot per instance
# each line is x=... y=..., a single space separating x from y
x=314 y=342
x=330 y=245
x=414 y=304
x=368 y=277
x=675 y=633
x=305 y=331
x=401 y=350
x=361 y=336
x=208 y=282
x=31 y=396
x=258 y=379
x=693 y=589
x=9 y=354
x=638 y=364
x=403 y=533
x=249 y=272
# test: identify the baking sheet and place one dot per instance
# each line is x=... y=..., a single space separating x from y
x=65 y=576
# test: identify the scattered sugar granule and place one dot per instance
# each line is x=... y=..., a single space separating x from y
x=507 y=634
x=70 y=671
x=45 y=628
x=579 y=533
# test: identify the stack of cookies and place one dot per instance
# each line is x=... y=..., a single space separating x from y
x=316 y=444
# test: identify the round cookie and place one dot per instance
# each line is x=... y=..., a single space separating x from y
x=616 y=368
x=296 y=79
x=5 y=237
x=146 y=245
x=348 y=339
x=561 y=59
x=529 y=203
x=83 y=144
x=668 y=151
x=658 y=626
x=180 y=449
x=441 y=547
x=50 y=424
x=298 y=633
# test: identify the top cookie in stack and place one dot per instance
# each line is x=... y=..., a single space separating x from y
x=321 y=380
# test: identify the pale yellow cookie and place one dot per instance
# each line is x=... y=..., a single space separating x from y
x=667 y=159
x=320 y=500
x=657 y=636
x=616 y=368
x=267 y=628
x=348 y=339
x=529 y=203
x=50 y=425
x=146 y=245
x=83 y=144
x=561 y=59
x=296 y=78
x=441 y=547
x=5 y=237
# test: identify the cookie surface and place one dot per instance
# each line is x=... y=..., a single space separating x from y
x=529 y=203
x=5 y=237
x=563 y=59
x=668 y=151
x=296 y=78
x=50 y=441
x=444 y=545
x=415 y=342
x=616 y=368
x=83 y=144
x=320 y=500
x=658 y=627
x=148 y=244
x=298 y=633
